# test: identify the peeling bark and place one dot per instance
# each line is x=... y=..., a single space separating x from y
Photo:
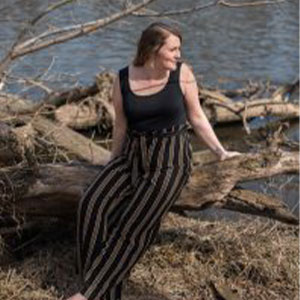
x=56 y=188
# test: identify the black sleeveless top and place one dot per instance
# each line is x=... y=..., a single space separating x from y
x=157 y=111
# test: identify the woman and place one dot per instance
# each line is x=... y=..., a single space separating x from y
x=120 y=213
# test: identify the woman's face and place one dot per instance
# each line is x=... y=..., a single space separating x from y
x=169 y=53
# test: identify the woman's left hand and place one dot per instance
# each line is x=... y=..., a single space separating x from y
x=229 y=154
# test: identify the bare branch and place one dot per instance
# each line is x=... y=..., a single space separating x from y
x=225 y=3
x=200 y=7
x=176 y=12
x=50 y=9
x=71 y=32
x=32 y=82
x=9 y=56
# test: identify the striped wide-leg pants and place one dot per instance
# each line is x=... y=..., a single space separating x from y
x=120 y=213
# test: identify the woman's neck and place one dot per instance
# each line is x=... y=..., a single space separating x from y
x=152 y=72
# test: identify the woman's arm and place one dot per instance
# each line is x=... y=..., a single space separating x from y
x=196 y=116
x=120 y=123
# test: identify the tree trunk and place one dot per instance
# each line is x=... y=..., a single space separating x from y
x=73 y=142
x=55 y=189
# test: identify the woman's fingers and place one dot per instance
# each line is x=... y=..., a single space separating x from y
x=229 y=154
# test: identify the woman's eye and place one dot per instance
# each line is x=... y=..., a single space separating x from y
x=175 y=49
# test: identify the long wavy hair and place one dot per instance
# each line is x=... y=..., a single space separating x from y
x=152 y=39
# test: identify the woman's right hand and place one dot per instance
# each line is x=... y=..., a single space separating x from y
x=228 y=154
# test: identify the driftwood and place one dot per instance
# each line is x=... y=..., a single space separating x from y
x=19 y=111
x=93 y=110
x=224 y=113
x=17 y=142
x=41 y=187
x=74 y=95
x=78 y=108
x=220 y=107
x=55 y=189
x=81 y=108
x=216 y=104
x=70 y=140
x=216 y=184
x=99 y=110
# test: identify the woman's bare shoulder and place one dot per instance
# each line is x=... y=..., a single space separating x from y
x=186 y=70
x=186 y=76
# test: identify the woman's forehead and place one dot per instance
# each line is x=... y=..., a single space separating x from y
x=172 y=40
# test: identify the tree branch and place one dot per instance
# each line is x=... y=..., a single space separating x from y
x=72 y=32
x=201 y=7
x=9 y=56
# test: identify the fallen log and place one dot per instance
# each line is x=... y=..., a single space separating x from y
x=18 y=143
x=255 y=90
x=92 y=110
x=73 y=142
x=56 y=188
x=221 y=112
x=74 y=95
x=79 y=116
x=9 y=151
x=216 y=180
x=98 y=109
x=13 y=104
x=89 y=113
x=95 y=109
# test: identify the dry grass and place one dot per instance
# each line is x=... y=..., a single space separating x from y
x=191 y=260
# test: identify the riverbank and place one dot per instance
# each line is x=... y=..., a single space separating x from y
x=253 y=258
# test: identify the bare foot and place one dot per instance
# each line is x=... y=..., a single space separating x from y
x=77 y=296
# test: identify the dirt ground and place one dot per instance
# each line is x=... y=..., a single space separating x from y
x=252 y=258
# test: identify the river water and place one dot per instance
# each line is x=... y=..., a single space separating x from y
x=226 y=47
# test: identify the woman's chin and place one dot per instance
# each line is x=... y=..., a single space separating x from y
x=172 y=67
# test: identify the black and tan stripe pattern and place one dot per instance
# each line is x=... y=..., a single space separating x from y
x=120 y=213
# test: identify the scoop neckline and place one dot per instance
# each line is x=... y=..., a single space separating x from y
x=150 y=95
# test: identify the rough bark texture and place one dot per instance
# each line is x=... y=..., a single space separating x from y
x=71 y=141
x=55 y=189
x=37 y=188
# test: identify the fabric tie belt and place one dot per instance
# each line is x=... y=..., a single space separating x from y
x=174 y=130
